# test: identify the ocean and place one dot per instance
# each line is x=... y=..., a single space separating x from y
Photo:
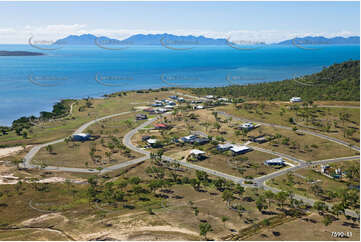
x=31 y=84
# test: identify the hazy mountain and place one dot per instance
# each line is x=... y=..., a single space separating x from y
x=322 y=40
x=141 y=39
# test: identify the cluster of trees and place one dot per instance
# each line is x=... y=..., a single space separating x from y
x=21 y=125
x=337 y=82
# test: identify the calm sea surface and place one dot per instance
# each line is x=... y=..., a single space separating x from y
x=32 y=84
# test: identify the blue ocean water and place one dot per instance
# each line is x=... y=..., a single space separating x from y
x=32 y=84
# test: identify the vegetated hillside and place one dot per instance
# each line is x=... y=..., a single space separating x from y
x=339 y=82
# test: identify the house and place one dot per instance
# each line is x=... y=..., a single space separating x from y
x=259 y=139
x=160 y=110
x=223 y=99
x=210 y=97
x=198 y=107
x=153 y=143
x=168 y=107
x=141 y=116
x=275 y=162
x=180 y=99
x=196 y=101
x=224 y=147
x=189 y=138
x=173 y=97
x=295 y=100
x=198 y=154
x=247 y=126
x=240 y=149
x=324 y=168
x=200 y=141
x=80 y=137
x=161 y=126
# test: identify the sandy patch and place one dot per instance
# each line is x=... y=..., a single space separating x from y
x=11 y=150
x=141 y=107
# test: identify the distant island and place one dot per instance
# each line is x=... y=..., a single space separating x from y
x=19 y=53
x=141 y=39
x=320 y=40
x=172 y=40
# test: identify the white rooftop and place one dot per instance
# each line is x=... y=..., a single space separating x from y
x=237 y=148
x=151 y=141
x=81 y=134
x=225 y=146
x=275 y=160
x=197 y=152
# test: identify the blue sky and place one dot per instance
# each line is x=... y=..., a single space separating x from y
x=258 y=21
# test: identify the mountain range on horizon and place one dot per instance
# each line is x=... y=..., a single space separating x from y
x=171 y=40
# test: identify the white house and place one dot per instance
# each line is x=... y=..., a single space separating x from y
x=198 y=107
x=80 y=137
x=275 y=162
x=247 y=126
x=210 y=97
x=197 y=153
x=295 y=100
x=224 y=147
x=236 y=149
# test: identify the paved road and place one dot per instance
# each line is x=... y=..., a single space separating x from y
x=322 y=136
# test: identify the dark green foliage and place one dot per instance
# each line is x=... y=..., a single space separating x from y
x=339 y=82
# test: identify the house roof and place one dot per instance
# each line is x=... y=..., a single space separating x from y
x=275 y=160
x=225 y=146
x=81 y=134
x=151 y=141
x=197 y=152
x=236 y=148
x=161 y=125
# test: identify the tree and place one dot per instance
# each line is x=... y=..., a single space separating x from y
x=49 y=149
x=260 y=204
x=320 y=206
x=204 y=228
x=269 y=196
x=227 y=195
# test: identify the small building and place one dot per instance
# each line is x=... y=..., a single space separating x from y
x=160 y=110
x=153 y=143
x=247 y=126
x=199 y=107
x=189 y=138
x=295 y=100
x=210 y=97
x=240 y=149
x=324 y=168
x=180 y=99
x=259 y=140
x=161 y=126
x=80 y=137
x=224 y=147
x=169 y=107
x=173 y=97
x=200 y=141
x=141 y=116
x=275 y=162
x=198 y=154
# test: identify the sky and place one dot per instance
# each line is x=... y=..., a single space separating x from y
x=248 y=21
